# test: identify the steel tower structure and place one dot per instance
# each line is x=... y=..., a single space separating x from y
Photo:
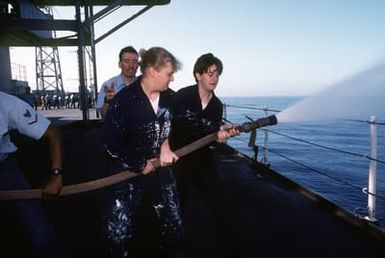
x=48 y=70
x=22 y=23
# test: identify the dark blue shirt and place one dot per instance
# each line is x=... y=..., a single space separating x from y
x=132 y=132
x=190 y=121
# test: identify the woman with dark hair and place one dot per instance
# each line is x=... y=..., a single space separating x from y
x=197 y=112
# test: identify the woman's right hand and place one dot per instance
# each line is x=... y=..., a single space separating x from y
x=149 y=166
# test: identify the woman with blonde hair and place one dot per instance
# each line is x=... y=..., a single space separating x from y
x=135 y=133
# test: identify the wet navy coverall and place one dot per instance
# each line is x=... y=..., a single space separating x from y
x=190 y=123
x=132 y=134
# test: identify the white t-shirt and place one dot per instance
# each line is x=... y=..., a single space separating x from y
x=17 y=114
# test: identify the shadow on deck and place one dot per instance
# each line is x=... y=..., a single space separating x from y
x=258 y=213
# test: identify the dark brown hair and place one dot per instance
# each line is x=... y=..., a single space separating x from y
x=128 y=49
x=205 y=61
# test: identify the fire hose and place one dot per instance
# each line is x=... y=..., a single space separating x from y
x=125 y=175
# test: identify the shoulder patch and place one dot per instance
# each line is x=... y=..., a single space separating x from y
x=27 y=113
x=34 y=121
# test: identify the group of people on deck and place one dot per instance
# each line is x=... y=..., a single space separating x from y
x=144 y=123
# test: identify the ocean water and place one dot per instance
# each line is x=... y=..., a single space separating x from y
x=327 y=156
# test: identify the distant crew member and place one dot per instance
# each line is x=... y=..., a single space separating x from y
x=29 y=97
x=128 y=63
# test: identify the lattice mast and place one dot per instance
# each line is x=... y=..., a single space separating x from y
x=48 y=70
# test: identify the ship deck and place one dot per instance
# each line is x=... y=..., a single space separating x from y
x=259 y=213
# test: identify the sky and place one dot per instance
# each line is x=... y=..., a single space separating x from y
x=268 y=47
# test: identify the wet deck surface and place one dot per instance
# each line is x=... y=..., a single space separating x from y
x=266 y=217
x=256 y=213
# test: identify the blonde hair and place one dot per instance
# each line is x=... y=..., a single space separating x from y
x=157 y=57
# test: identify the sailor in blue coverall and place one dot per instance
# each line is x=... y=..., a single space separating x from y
x=197 y=112
x=135 y=133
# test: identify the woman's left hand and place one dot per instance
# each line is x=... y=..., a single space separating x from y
x=227 y=131
x=167 y=157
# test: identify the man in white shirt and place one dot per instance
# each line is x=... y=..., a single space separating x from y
x=128 y=63
x=28 y=215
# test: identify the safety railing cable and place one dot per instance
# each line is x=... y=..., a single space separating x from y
x=382 y=197
x=364 y=121
x=253 y=108
x=320 y=146
x=314 y=169
x=326 y=147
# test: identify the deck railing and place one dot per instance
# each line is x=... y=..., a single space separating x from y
x=368 y=213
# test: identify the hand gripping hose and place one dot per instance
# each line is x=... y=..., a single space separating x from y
x=125 y=175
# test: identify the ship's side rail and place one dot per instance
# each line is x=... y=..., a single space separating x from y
x=291 y=147
x=254 y=210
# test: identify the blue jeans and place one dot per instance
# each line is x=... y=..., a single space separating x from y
x=28 y=216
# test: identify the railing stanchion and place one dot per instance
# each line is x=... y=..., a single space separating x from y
x=372 y=180
x=225 y=110
x=266 y=151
